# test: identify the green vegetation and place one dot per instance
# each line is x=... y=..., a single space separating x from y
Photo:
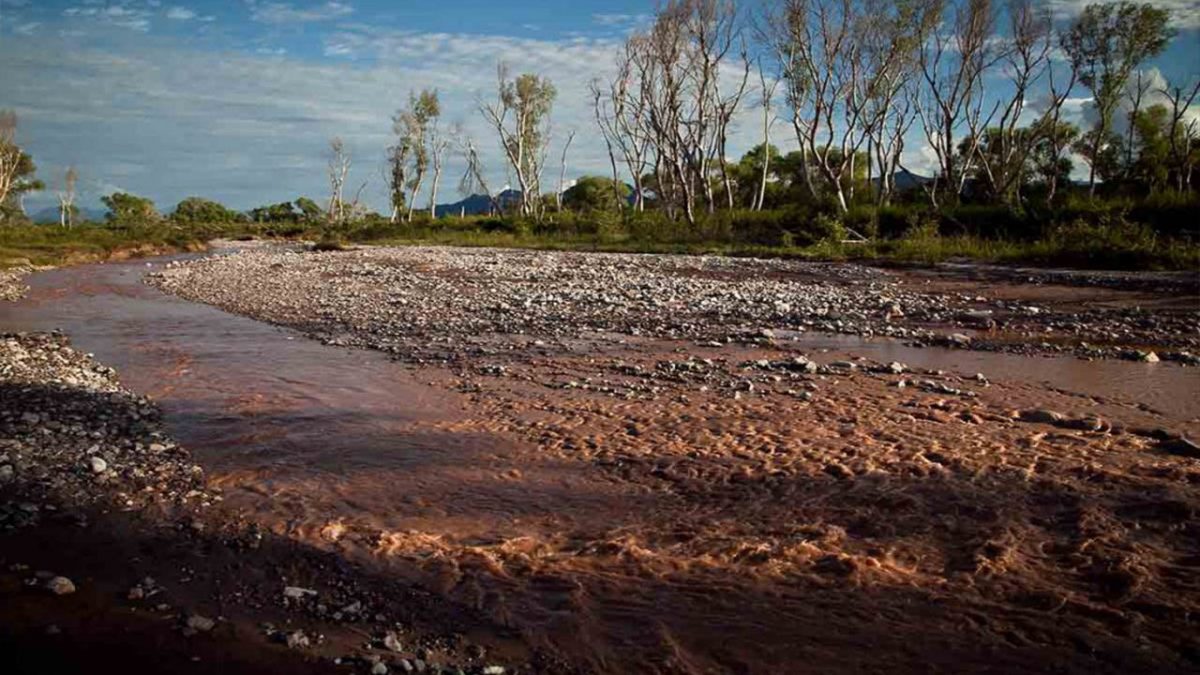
x=28 y=244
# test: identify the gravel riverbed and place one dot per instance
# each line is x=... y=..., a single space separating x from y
x=438 y=303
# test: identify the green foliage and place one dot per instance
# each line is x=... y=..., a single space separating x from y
x=196 y=210
x=128 y=210
x=310 y=211
x=597 y=193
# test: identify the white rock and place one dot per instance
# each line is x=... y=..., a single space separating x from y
x=199 y=623
x=97 y=464
x=297 y=593
x=60 y=586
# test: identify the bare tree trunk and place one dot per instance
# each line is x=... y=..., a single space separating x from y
x=562 y=176
x=339 y=168
x=412 y=203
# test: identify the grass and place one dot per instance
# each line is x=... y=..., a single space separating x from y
x=1089 y=244
x=43 y=245
x=1082 y=251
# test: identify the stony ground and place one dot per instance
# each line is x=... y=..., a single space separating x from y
x=70 y=433
x=11 y=287
x=439 y=303
x=98 y=506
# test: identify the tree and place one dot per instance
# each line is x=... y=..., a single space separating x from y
x=842 y=63
x=521 y=118
x=620 y=110
x=957 y=51
x=338 y=169
x=397 y=168
x=200 y=211
x=66 y=198
x=310 y=211
x=16 y=169
x=128 y=210
x=767 y=88
x=1151 y=148
x=562 y=174
x=594 y=193
x=1105 y=44
x=439 y=143
x=1183 y=137
x=11 y=156
x=473 y=181
x=1006 y=148
x=1052 y=166
x=278 y=213
x=681 y=64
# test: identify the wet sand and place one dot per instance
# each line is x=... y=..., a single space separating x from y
x=686 y=503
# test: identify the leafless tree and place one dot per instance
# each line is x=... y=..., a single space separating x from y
x=1057 y=135
x=620 y=108
x=562 y=175
x=439 y=143
x=66 y=198
x=687 y=97
x=842 y=62
x=473 y=180
x=338 y=170
x=608 y=131
x=767 y=87
x=1183 y=136
x=1139 y=87
x=957 y=50
x=1003 y=152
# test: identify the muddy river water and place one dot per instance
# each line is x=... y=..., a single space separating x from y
x=348 y=448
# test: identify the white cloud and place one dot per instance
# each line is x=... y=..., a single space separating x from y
x=181 y=14
x=26 y=28
x=282 y=12
x=121 y=14
x=252 y=128
x=619 y=20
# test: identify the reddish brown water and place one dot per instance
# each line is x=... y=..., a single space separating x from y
x=696 y=566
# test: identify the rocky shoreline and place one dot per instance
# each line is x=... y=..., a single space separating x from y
x=87 y=473
x=439 y=304
x=11 y=286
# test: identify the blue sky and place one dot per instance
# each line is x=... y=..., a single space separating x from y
x=237 y=100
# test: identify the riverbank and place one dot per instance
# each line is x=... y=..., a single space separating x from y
x=28 y=247
x=112 y=536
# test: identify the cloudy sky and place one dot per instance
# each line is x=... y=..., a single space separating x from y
x=237 y=100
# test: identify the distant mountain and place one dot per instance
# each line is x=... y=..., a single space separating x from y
x=479 y=205
x=905 y=180
x=49 y=215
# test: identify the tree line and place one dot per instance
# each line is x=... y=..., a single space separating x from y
x=982 y=85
